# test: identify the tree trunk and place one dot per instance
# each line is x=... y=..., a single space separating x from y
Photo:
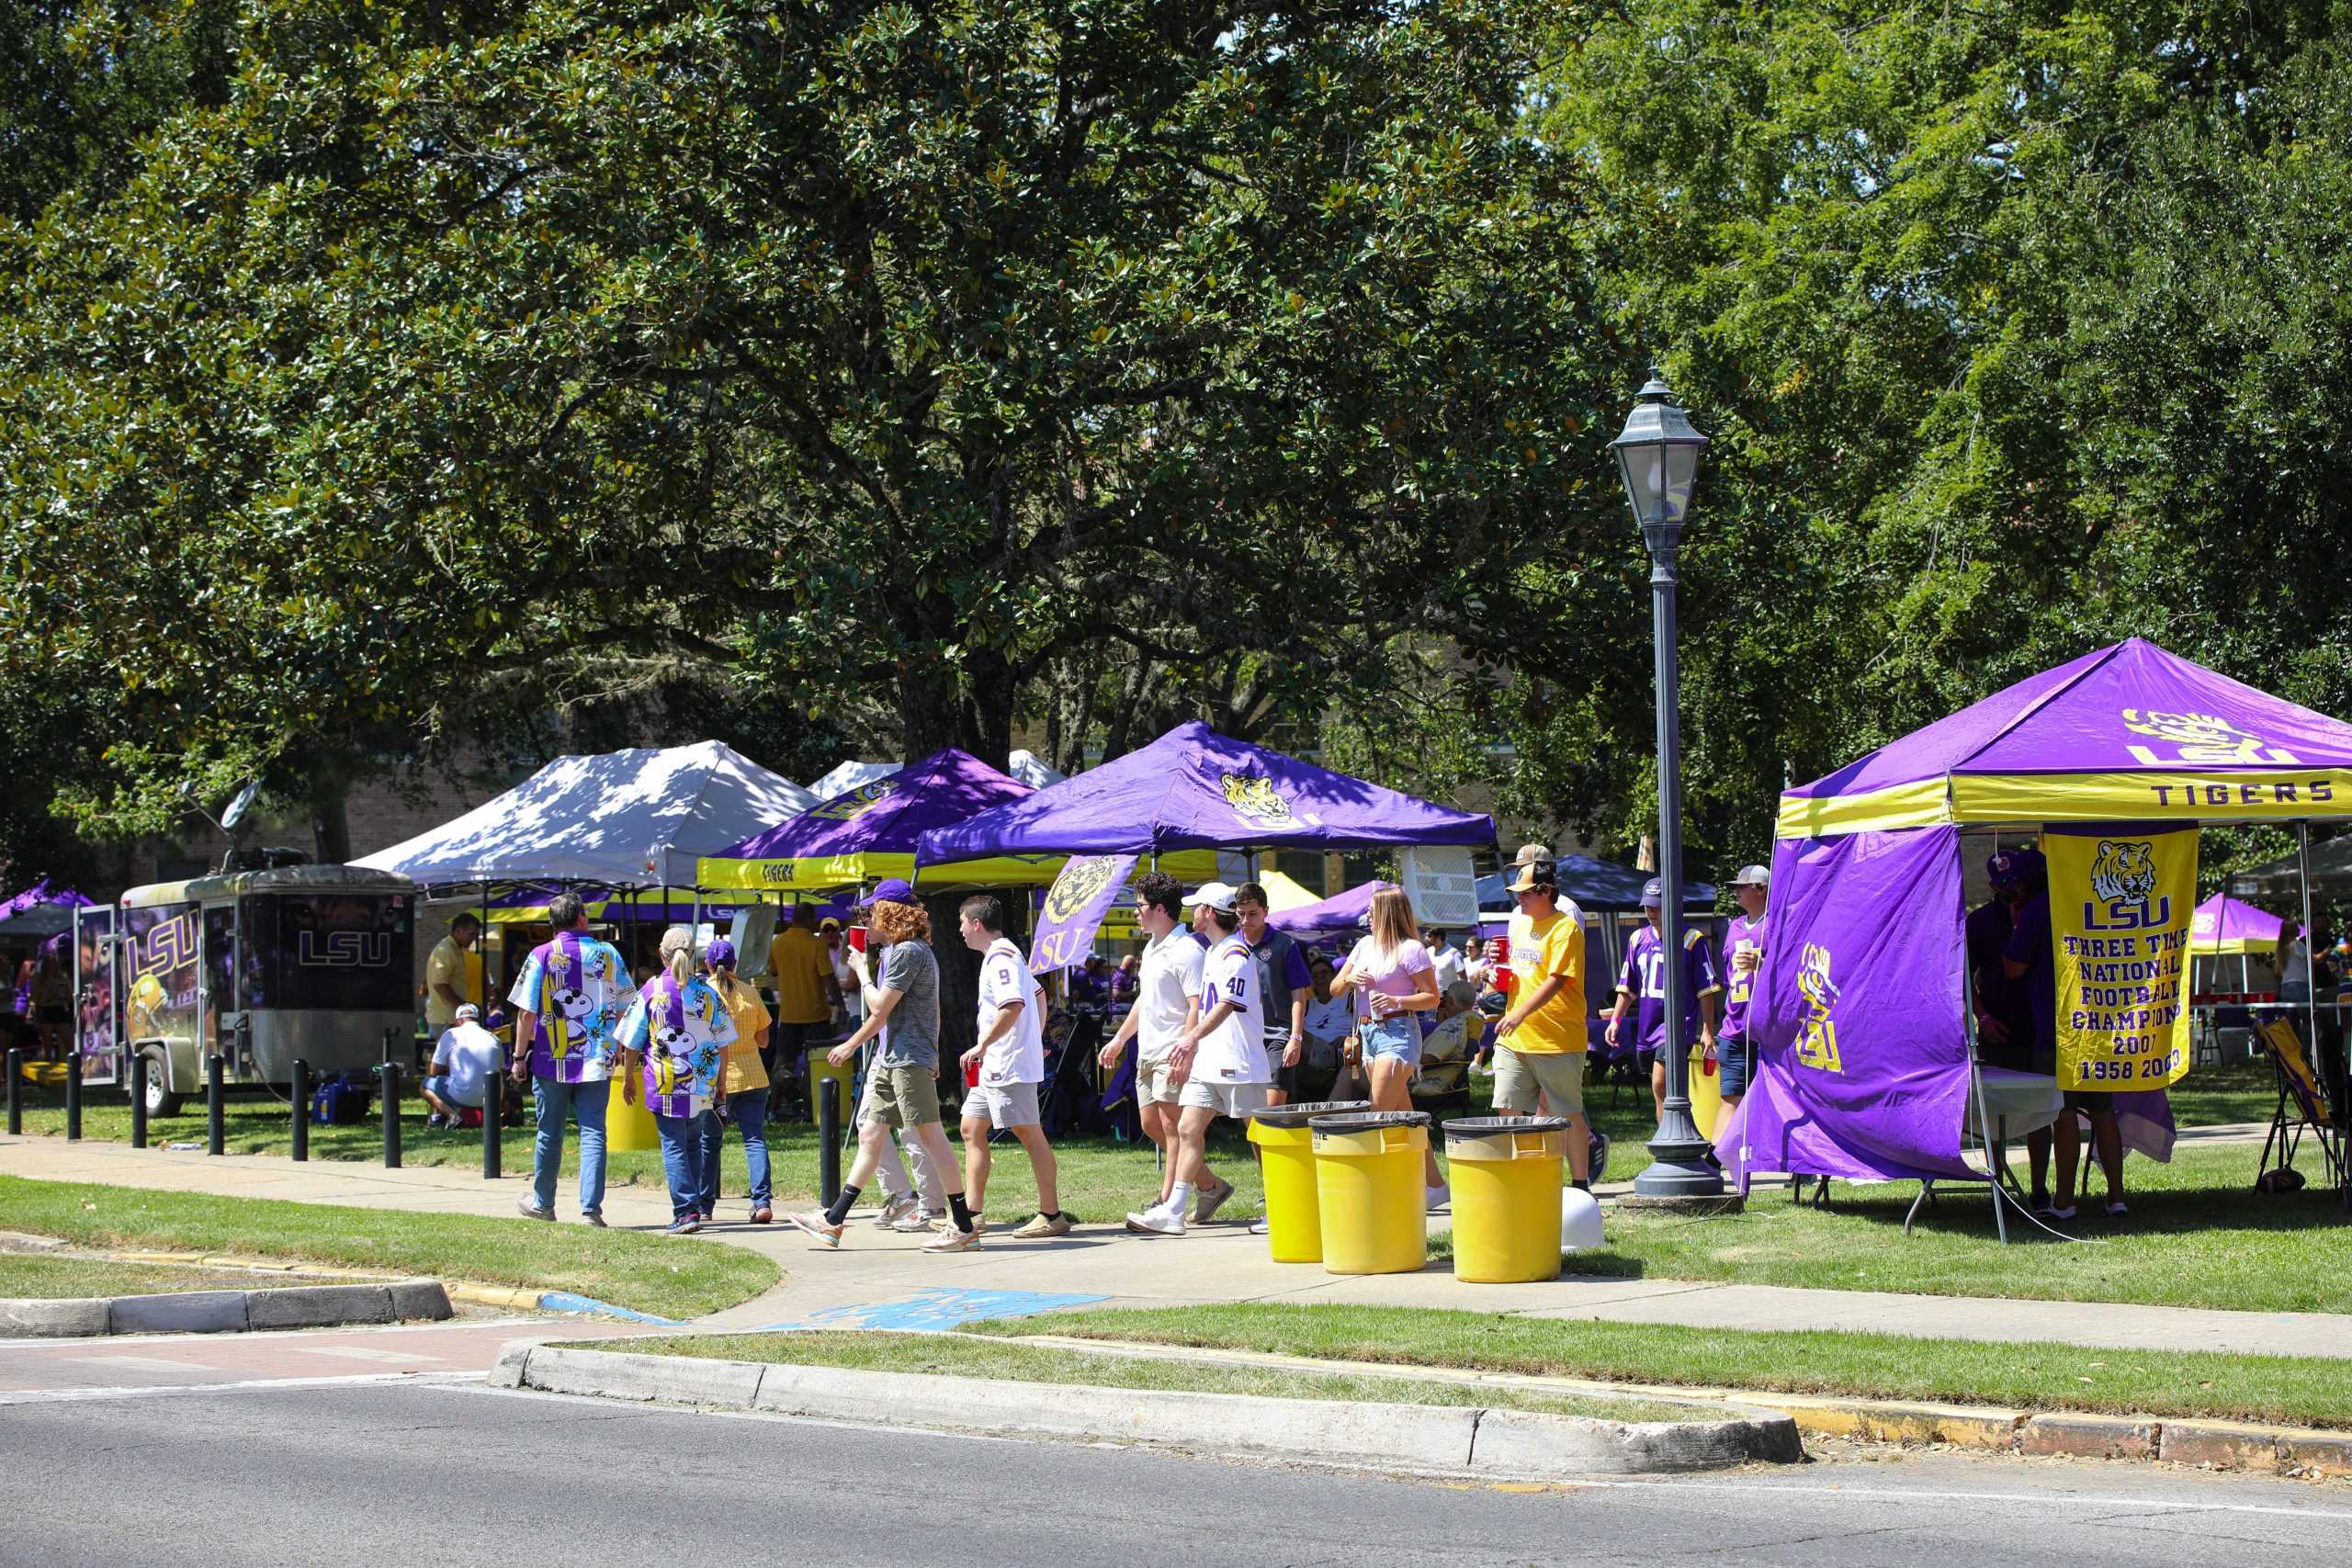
x=330 y=824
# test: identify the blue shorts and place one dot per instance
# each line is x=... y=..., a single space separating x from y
x=1731 y=1066
x=1396 y=1038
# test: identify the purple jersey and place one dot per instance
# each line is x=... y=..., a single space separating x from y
x=1644 y=976
x=1742 y=935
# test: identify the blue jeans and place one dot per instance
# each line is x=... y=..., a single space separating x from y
x=556 y=1103
x=748 y=1111
x=1399 y=1037
x=683 y=1162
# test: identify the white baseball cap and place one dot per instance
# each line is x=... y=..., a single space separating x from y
x=1753 y=876
x=1220 y=895
x=467 y=1010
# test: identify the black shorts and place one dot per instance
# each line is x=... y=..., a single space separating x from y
x=788 y=1042
x=1286 y=1079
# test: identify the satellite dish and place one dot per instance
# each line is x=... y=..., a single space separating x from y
x=239 y=807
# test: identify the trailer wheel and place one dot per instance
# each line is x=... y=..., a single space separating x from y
x=161 y=1102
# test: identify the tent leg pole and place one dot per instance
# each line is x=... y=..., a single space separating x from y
x=1993 y=1173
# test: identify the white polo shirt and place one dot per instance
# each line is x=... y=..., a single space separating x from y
x=1166 y=985
x=1019 y=1055
x=1234 y=1051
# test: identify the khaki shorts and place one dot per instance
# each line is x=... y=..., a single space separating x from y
x=1001 y=1105
x=1156 y=1084
x=901 y=1097
x=1558 y=1075
x=1239 y=1100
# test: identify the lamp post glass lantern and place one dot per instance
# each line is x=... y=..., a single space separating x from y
x=1658 y=455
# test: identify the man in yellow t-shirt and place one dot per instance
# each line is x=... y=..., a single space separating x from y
x=453 y=973
x=800 y=968
x=1541 y=1041
x=746 y=1079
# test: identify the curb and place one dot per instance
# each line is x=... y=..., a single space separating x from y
x=226 y=1312
x=2217 y=1444
x=1517 y=1444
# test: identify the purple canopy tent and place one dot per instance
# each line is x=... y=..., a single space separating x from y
x=867 y=833
x=1195 y=789
x=1866 y=1060
x=2223 y=927
x=41 y=910
x=1339 y=915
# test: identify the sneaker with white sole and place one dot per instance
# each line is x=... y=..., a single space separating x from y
x=529 y=1207
x=818 y=1229
x=915 y=1222
x=1206 y=1204
x=1259 y=1227
x=893 y=1210
x=952 y=1240
x=1041 y=1226
x=1157 y=1220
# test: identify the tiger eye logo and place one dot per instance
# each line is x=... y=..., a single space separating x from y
x=1253 y=800
x=1081 y=880
x=2200 y=739
x=857 y=802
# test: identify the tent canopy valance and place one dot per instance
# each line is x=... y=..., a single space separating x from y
x=2127 y=733
x=1195 y=789
x=870 y=831
x=632 y=819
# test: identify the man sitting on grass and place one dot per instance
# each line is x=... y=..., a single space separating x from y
x=462 y=1061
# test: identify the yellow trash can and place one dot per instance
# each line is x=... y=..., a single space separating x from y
x=821 y=1072
x=1706 y=1093
x=629 y=1123
x=1506 y=1177
x=1368 y=1190
x=1286 y=1160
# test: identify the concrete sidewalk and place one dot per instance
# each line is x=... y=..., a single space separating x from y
x=882 y=1278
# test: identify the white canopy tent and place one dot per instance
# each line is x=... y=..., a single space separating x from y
x=1026 y=766
x=635 y=819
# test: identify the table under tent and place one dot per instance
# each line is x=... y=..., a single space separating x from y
x=1869 y=1066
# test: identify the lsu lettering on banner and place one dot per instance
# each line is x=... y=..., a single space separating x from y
x=2121 y=901
x=1073 y=909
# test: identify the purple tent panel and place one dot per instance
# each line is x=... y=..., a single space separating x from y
x=1862 y=1058
x=1195 y=789
x=2221 y=919
x=40 y=893
x=887 y=815
x=1348 y=912
x=2082 y=716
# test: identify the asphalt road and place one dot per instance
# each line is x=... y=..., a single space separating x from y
x=424 y=1472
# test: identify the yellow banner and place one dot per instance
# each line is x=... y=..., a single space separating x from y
x=2121 y=904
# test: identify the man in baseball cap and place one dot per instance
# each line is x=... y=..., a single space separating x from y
x=1744 y=954
x=1641 y=990
x=1221 y=1056
x=463 y=1059
x=1540 y=1041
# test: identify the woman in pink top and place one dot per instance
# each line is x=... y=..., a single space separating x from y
x=1394 y=978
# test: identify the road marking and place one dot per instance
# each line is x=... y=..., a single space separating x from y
x=140 y=1363
x=934 y=1309
x=362 y=1353
x=256 y=1385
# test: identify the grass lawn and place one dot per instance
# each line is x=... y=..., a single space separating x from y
x=2214 y=1097
x=964 y=1355
x=2197 y=1235
x=33 y=1275
x=676 y=1278
x=2302 y=1390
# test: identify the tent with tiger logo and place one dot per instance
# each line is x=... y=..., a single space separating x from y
x=1870 y=1066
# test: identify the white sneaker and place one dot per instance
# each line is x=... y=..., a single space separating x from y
x=1156 y=1221
x=1259 y=1227
x=527 y=1205
x=893 y=1210
x=1206 y=1204
x=1437 y=1197
x=913 y=1221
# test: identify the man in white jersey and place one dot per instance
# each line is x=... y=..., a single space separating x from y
x=1222 y=1055
x=1167 y=1001
x=1011 y=1055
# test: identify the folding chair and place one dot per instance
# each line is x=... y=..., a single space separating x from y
x=2301 y=1106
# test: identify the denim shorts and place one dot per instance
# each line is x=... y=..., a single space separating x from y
x=1730 y=1062
x=1398 y=1038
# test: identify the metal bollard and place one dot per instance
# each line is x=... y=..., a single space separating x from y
x=215 y=1106
x=829 y=1139
x=15 y=1091
x=73 y=1097
x=391 y=1075
x=302 y=1108
x=138 y=1080
x=493 y=1111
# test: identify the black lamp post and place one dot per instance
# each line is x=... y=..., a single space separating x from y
x=1658 y=452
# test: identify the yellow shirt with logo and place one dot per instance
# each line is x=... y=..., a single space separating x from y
x=455 y=967
x=1555 y=946
x=798 y=965
x=751 y=1015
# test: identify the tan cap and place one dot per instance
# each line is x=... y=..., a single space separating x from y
x=1530 y=853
